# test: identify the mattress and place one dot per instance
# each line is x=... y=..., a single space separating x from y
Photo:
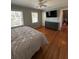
x=25 y=42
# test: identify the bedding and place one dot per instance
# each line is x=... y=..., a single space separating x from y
x=25 y=42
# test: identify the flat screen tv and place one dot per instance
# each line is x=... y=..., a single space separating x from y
x=51 y=13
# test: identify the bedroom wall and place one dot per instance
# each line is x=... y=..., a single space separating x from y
x=27 y=15
x=58 y=19
x=43 y=18
x=51 y=19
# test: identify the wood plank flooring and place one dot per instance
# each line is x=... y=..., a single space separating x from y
x=57 y=47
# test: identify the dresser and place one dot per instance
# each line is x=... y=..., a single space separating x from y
x=52 y=25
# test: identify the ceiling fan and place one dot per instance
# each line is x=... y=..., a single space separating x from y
x=42 y=3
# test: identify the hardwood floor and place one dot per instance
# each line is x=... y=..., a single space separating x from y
x=57 y=47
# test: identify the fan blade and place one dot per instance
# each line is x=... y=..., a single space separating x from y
x=43 y=1
x=40 y=0
x=43 y=5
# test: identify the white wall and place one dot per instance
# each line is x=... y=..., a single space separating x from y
x=57 y=19
x=52 y=19
x=43 y=18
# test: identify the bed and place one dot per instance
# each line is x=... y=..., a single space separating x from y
x=25 y=42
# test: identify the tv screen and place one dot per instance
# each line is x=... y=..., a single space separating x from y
x=51 y=13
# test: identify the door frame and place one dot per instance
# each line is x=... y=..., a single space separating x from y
x=61 y=18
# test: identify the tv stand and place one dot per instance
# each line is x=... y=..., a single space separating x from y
x=51 y=25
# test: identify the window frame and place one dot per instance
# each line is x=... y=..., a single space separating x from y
x=34 y=16
x=21 y=21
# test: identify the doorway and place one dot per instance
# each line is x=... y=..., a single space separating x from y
x=65 y=20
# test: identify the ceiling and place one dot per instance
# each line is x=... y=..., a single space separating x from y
x=51 y=4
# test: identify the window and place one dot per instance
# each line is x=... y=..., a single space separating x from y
x=16 y=18
x=34 y=17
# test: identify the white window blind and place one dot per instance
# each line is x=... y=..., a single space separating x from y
x=16 y=18
x=34 y=17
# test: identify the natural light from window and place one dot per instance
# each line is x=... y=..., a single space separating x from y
x=34 y=17
x=16 y=18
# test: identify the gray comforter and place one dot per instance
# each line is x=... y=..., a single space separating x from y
x=25 y=41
